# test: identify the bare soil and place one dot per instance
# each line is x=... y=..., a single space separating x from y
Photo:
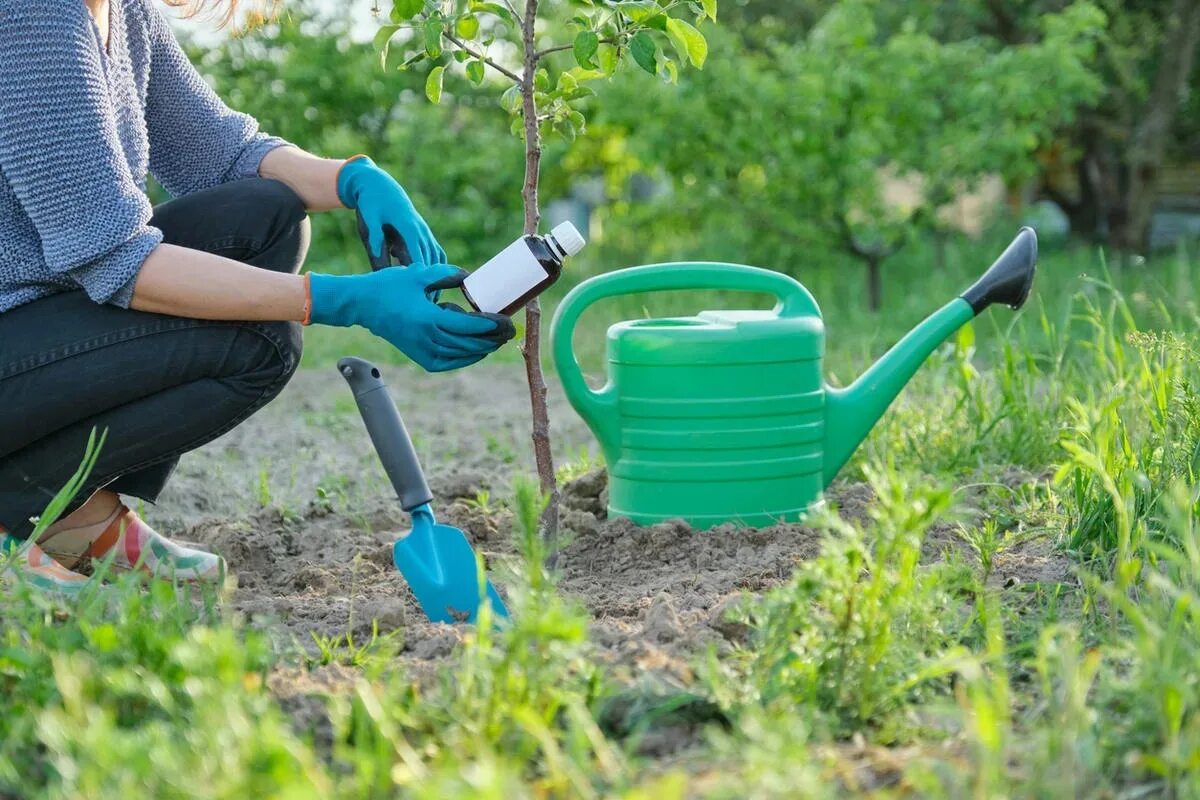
x=297 y=503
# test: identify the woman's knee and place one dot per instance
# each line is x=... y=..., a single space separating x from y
x=289 y=341
x=256 y=220
x=270 y=354
x=287 y=230
x=279 y=202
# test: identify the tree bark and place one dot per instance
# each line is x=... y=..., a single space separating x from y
x=543 y=455
x=874 y=283
x=1150 y=135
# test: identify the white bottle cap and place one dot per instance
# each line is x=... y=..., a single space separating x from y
x=569 y=237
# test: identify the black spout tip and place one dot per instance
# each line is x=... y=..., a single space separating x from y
x=1009 y=278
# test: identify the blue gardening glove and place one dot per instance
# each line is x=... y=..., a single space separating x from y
x=388 y=223
x=398 y=305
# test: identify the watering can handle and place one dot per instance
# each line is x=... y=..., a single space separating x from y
x=598 y=408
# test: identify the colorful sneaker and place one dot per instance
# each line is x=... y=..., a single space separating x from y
x=37 y=568
x=135 y=545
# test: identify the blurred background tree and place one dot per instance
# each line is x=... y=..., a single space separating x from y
x=799 y=143
x=788 y=149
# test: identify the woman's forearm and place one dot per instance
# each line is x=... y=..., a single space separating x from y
x=314 y=179
x=191 y=283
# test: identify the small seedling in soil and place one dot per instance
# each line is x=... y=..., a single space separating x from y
x=342 y=649
x=482 y=502
x=986 y=542
x=499 y=449
x=263 y=494
x=583 y=464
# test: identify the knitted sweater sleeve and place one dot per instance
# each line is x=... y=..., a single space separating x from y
x=60 y=152
x=196 y=141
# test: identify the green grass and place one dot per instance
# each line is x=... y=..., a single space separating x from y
x=1073 y=425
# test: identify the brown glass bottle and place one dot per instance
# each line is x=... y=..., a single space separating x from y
x=521 y=271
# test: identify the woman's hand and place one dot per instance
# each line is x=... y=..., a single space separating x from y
x=388 y=222
x=398 y=305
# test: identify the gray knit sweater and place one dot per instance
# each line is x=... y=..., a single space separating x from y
x=80 y=127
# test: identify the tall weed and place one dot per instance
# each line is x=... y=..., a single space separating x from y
x=861 y=629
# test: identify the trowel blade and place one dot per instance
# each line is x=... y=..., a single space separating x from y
x=440 y=567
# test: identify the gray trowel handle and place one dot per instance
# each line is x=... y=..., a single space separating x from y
x=387 y=432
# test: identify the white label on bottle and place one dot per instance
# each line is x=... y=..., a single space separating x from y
x=505 y=278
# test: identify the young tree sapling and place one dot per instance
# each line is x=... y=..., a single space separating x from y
x=543 y=96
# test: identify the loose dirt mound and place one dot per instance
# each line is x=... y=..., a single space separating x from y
x=655 y=593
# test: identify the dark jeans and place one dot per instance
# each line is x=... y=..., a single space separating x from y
x=160 y=385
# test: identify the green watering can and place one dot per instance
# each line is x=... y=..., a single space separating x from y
x=726 y=416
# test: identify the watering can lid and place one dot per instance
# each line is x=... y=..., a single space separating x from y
x=717 y=337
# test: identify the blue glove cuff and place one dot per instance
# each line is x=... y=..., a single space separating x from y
x=332 y=300
x=347 y=174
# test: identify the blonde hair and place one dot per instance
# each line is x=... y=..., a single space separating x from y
x=223 y=11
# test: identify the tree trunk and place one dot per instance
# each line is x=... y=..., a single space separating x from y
x=874 y=285
x=1148 y=145
x=1090 y=217
x=939 y=249
x=531 y=350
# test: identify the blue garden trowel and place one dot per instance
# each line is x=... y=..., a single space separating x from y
x=436 y=560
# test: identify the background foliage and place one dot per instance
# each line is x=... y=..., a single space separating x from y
x=801 y=110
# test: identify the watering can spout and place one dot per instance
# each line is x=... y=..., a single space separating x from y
x=850 y=413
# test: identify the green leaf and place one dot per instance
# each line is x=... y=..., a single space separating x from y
x=475 y=72
x=689 y=41
x=608 y=57
x=392 y=58
x=382 y=42
x=658 y=22
x=510 y=101
x=406 y=9
x=494 y=8
x=710 y=8
x=467 y=27
x=433 y=37
x=964 y=340
x=541 y=80
x=643 y=50
x=586 y=45
x=638 y=11
x=670 y=72
x=580 y=75
x=384 y=35
x=679 y=42
x=415 y=58
x=433 y=84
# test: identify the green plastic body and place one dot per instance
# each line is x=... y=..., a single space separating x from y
x=725 y=416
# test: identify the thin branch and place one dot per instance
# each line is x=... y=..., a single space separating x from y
x=515 y=13
x=538 y=56
x=514 y=77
